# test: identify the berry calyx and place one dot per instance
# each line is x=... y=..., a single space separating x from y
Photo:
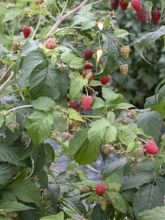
x=86 y=102
x=88 y=74
x=39 y=2
x=123 y=4
x=115 y=4
x=137 y=5
x=142 y=16
x=123 y=69
x=26 y=31
x=104 y=80
x=156 y=15
x=50 y=43
x=88 y=66
x=151 y=147
x=74 y=105
x=125 y=50
x=87 y=54
x=100 y=189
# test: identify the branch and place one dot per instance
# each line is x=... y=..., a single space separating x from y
x=7 y=82
x=61 y=18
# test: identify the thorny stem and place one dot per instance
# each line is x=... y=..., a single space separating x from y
x=61 y=17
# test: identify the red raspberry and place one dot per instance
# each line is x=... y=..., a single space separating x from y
x=88 y=74
x=104 y=80
x=88 y=66
x=75 y=105
x=100 y=189
x=142 y=16
x=156 y=15
x=151 y=147
x=86 y=102
x=123 y=4
x=26 y=32
x=137 y=5
x=50 y=43
x=87 y=54
x=115 y=4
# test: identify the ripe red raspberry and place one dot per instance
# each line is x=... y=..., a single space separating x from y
x=104 y=80
x=142 y=16
x=151 y=147
x=88 y=66
x=75 y=105
x=137 y=5
x=86 y=102
x=87 y=54
x=125 y=50
x=156 y=15
x=123 y=4
x=115 y=4
x=50 y=43
x=88 y=74
x=26 y=32
x=100 y=189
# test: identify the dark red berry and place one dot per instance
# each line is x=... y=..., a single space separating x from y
x=104 y=80
x=88 y=74
x=75 y=105
x=26 y=32
x=115 y=4
x=88 y=66
x=137 y=5
x=156 y=15
x=142 y=16
x=88 y=54
x=100 y=189
x=123 y=4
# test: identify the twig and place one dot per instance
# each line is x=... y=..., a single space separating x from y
x=61 y=17
x=16 y=108
x=7 y=82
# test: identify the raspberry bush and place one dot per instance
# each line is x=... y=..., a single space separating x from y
x=72 y=146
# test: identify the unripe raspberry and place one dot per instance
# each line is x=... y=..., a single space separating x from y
x=151 y=147
x=75 y=105
x=100 y=189
x=104 y=80
x=86 y=102
x=88 y=74
x=123 y=4
x=39 y=2
x=50 y=43
x=103 y=205
x=123 y=69
x=26 y=32
x=125 y=50
x=88 y=66
x=107 y=149
x=86 y=189
x=87 y=54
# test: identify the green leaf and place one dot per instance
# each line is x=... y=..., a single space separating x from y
x=26 y=191
x=72 y=60
x=77 y=141
x=151 y=123
x=98 y=214
x=130 y=147
x=115 y=179
x=136 y=180
x=73 y=114
x=31 y=45
x=59 y=216
x=119 y=203
x=11 y=206
x=126 y=134
x=77 y=84
x=39 y=125
x=111 y=117
x=11 y=14
x=43 y=81
x=30 y=62
x=88 y=153
x=110 y=134
x=1 y=120
x=44 y=104
x=7 y=172
x=121 y=33
x=153 y=214
x=98 y=103
x=147 y=197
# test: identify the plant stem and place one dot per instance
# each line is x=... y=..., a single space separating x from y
x=6 y=83
x=37 y=27
x=16 y=108
x=60 y=143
